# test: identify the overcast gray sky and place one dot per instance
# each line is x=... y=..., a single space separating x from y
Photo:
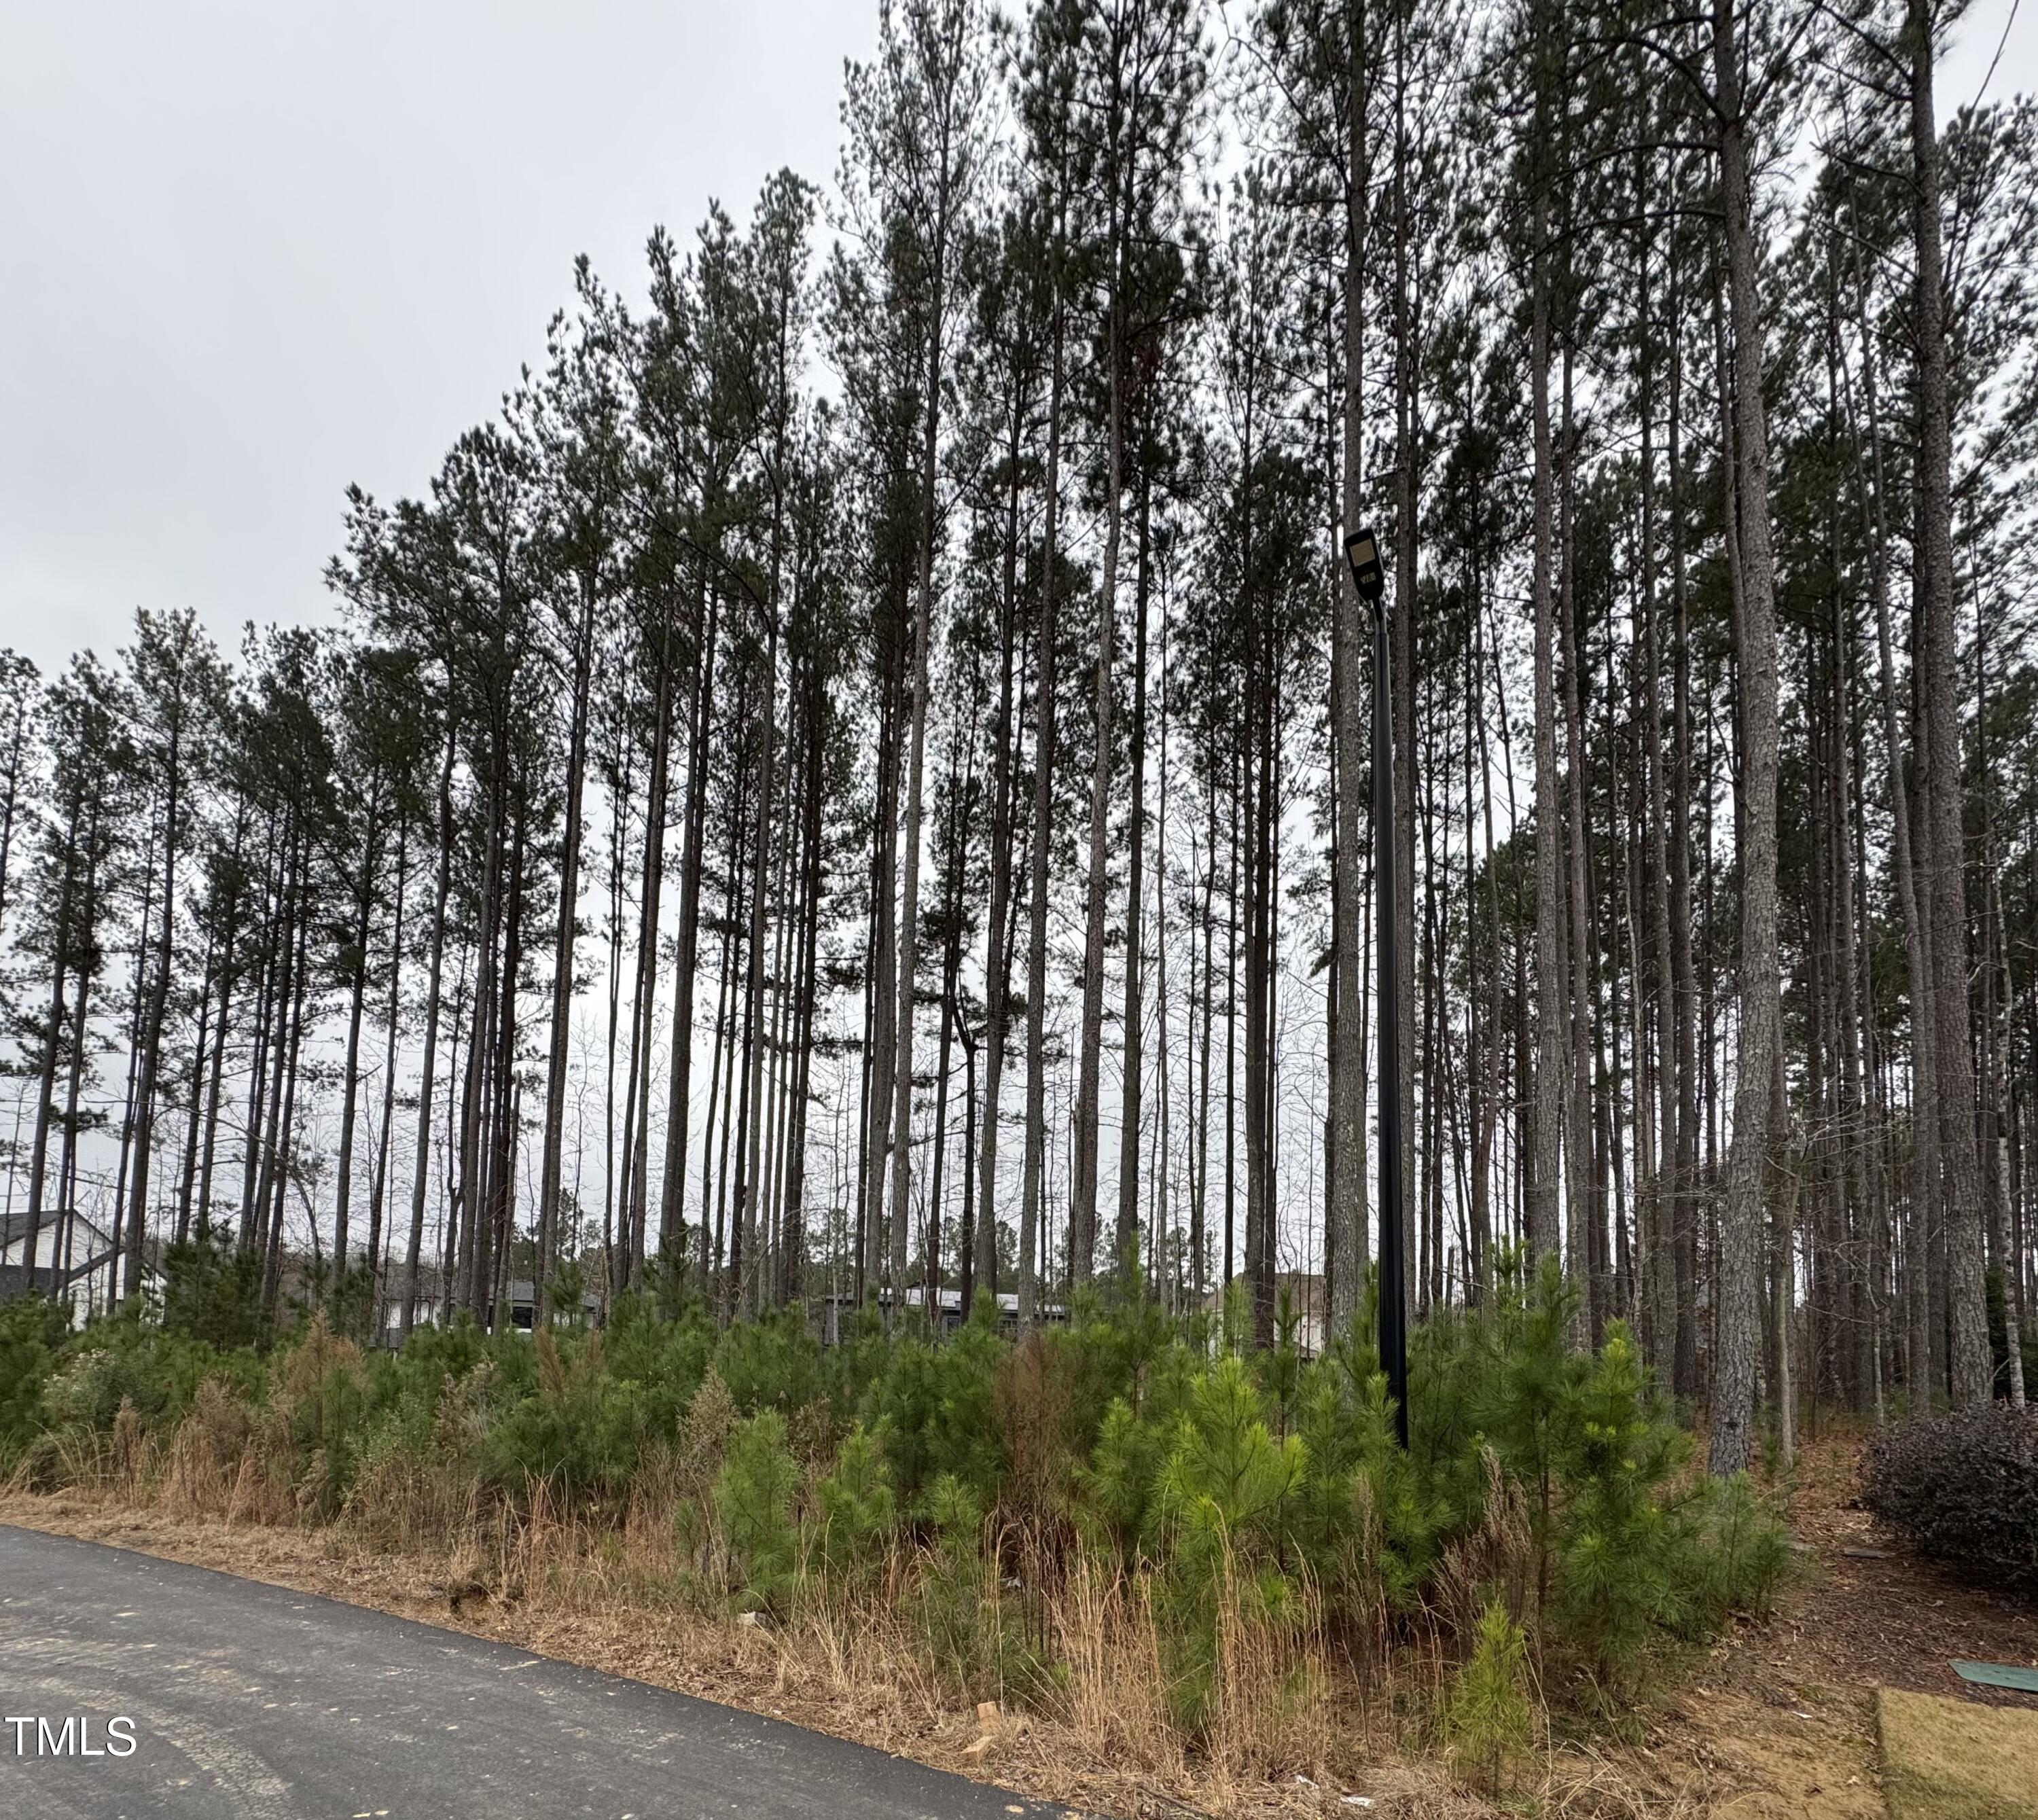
x=256 y=249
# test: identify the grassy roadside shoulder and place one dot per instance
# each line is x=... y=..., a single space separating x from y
x=1120 y=1564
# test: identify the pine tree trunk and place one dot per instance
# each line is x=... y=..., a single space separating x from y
x=1659 y=1189
x=152 y=1030
x=1082 y=1213
x=1581 y=1177
x=1401 y=632
x=1783 y=1273
x=52 y=1035
x=748 y=1287
x=983 y=1263
x=1544 y=1179
x=909 y=910
x=882 y=1083
x=1349 y=1245
x=672 y=1219
x=378 y=1186
x=349 y=1098
x=638 y=1098
x=1962 y=1211
x=1033 y=1201
x=435 y=974
x=565 y=953
x=803 y=1024
x=1131 y=1081
x=1741 y=1210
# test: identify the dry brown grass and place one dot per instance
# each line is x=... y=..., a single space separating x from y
x=1955 y=1760
x=1117 y=1690
x=617 y=1597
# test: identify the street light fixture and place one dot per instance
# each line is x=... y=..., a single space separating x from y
x=1369 y=576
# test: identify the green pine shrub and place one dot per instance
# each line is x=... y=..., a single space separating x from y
x=320 y=1392
x=754 y=1494
x=933 y=1405
x=1254 y=1508
x=665 y=1360
x=1113 y=1493
x=1226 y=1482
x=855 y=1513
x=1734 y=1554
x=1488 y=1721
x=1221 y=1507
x=581 y=1430
x=1618 y=1584
x=774 y=1363
x=126 y=1358
x=434 y=1356
x=958 y=1623
x=33 y=1332
x=212 y=1292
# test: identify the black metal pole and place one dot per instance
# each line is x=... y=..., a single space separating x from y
x=1369 y=576
x=1393 y=1304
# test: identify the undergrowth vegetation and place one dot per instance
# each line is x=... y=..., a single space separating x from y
x=1181 y=1548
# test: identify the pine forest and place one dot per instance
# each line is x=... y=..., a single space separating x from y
x=853 y=791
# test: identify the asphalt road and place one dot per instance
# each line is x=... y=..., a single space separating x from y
x=251 y=1702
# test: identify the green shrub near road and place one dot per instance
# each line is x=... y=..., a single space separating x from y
x=32 y=1333
x=1236 y=1495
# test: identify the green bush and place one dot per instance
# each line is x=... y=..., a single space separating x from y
x=31 y=1331
x=1258 y=1489
x=1488 y=1721
x=1618 y=1584
x=579 y=1429
x=125 y=1357
x=1736 y=1554
x=774 y=1363
x=665 y=1360
x=1218 y=1522
x=753 y=1496
x=855 y=1512
x=933 y=1405
x=212 y=1292
x=324 y=1400
x=1227 y=1484
x=955 y=1620
x=1964 y=1489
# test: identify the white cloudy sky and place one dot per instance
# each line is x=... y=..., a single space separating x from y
x=256 y=250
x=253 y=251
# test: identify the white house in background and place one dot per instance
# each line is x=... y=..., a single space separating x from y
x=947 y=1311
x=430 y=1312
x=1307 y=1304
x=74 y=1256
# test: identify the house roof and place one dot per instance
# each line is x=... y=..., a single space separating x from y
x=14 y=1228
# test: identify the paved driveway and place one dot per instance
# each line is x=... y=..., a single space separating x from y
x=250 y=1702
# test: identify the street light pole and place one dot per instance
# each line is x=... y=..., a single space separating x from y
x=1361 y=550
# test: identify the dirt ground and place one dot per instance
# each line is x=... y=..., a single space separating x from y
x=1778 y=1719
x=1786 y=1708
